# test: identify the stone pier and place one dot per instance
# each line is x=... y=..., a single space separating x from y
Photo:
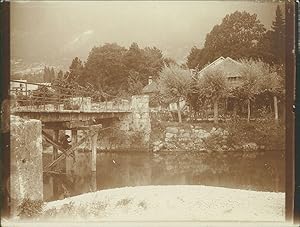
x=26 y=177
x=137 y=124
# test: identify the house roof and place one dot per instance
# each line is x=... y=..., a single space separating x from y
x=150 y=88
x=228 y=65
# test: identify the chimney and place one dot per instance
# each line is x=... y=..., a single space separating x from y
x=150 y=80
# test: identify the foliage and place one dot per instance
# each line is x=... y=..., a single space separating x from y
x=278 y=37
x=242 y=35
x=124 y=202
x=258 y=77
x=30 y=208
x=262 y=132
x=49 y=74
x=105 y=68
x=237 y=36
x=116 y=70
x=135 y=85
x=76 y=70
x=174 y=84
x=212 y=86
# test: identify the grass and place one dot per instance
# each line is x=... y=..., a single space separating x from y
x=123 y=202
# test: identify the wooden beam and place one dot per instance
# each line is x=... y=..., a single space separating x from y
x=57 y=145
x=94 y=151
x=71 y=149
x=55 y=149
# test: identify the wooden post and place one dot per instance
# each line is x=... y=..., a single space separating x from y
x=93 y=182
x=55 y=156
x=249 y=110
x=216 y=114
x=94 y=151
x=74 y=136
x=74 y=140
x=275 y=107
x=179 y=112
x=55 y=138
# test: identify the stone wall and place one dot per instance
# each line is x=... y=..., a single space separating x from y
x=195 y=138
x=26 y=179
x=179 y=138
x=132 y=130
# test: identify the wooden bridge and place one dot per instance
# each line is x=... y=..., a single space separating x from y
x=61 y=108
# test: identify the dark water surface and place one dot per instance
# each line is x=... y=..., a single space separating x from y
x=260 y=171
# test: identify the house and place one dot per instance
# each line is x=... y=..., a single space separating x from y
x=22 y=87
x=231 y=70
x=228 y=66
x=151 y=88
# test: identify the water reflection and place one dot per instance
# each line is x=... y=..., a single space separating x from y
x=263 y=172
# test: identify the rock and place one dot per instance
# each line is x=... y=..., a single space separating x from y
x=186 y=135
x=169 y=135
x=224 y=147
x=156 y=143
x=213 y=129
x=262 y=147
x=172 y=130
x=226 y=133
x=160 y=146
x=250 y=147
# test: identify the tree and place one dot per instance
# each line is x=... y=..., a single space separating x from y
x=237 y=37
x=212 y=86
x=76 y=69
x=193 y=58
x=169 y=61
x=115 y=70
x=278 y=36
x=105 y=69
x=272 y=82
x=60 y=74
x=174 y=84
x=251 y=73
x=154 y=62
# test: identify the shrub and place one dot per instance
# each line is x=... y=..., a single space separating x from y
x=30 y=208
x=262 y=132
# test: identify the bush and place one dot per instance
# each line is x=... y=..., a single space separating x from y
x=262 y=132
x=30 y=208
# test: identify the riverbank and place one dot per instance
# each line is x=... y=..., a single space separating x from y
x=169 y=203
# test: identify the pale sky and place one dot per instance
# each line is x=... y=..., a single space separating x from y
x=63 y=30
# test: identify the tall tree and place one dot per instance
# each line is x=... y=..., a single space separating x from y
x=76 y=69
x=105 y=68
x=272 y=82
x=60 y=74
x=278 y=36
x=52 y=74
x=212 y=86
x=237 y=37
x=250 y=87
x=174 y=84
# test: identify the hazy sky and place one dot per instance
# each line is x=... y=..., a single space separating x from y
x=57 y=30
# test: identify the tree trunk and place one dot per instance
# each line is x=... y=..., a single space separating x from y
x=249 y=110
x=179 y=113
x=235 y=106
x=275 y=108
x=216 y=111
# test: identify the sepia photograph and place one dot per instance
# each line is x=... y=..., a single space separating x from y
x=147 y=111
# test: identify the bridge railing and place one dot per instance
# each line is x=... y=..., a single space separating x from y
x=52 y=98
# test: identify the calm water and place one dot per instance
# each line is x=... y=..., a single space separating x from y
x=264 y=171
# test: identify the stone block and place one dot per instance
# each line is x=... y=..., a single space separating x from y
x=26 y=180
x=172 y=130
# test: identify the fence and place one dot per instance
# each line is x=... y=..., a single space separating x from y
x=45 y=97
